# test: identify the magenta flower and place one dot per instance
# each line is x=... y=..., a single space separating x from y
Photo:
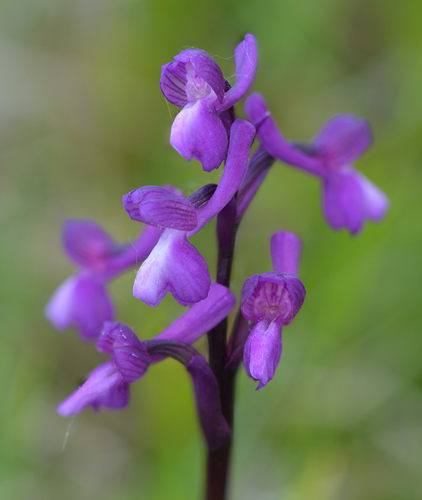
x=83 y=301
x=108 y=385
x=271 y=300
x=174 y=264
x=348 y=197
x=194 y=82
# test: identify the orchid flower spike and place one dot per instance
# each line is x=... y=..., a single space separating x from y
x=348 y=197
x=83 y=301
x=194 y=82
x=271 y=300
x=108 y=385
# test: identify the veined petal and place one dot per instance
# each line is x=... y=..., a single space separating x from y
x=246 y=58
x=209 y=71
x=105 y=387
x=172 y=83
x=86 y=243
x=81 y=302
x=262 y=352
x=198 y=133
x=132 y=362
x=157 y=206
x=343 y=139
x=173 y=266
x=116 y=335
x=198 y=63
x=272 y=296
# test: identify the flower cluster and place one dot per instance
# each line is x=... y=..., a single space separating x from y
x=207 y=130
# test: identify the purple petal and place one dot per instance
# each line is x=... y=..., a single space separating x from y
x=349 y=198
x=81 y=302
x=202 y=316
x=272 y=140
x=132 y=362
x=116 y=335
x=343 y=139
x=376 y=201
x=246 y=58
x=344 y=202
x=86 y=243
x=173 y=266
x=105 y=387
x=262 y=352
x=198 y=133
x=173 y=82
x=272 y=295
x=285 y=252
x=242 y=135
x=157 y=206
x=207 y=396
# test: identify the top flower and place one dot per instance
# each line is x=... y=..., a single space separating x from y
x=194 y=82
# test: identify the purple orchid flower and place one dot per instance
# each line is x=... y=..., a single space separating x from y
x=271 y=300
x=349 y=198
x=108 y=385
x=174 y=264
x=194 y=82
x=83 y=300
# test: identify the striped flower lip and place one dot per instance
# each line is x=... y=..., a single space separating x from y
x=272 y=296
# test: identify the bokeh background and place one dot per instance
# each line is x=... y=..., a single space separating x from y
x=82 y=121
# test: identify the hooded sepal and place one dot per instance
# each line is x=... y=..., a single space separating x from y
x=272 y=295
x=158 y=206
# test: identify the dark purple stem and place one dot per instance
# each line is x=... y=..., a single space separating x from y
x=219 y=460
x=225 y=359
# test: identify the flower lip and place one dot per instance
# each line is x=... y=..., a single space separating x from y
x=262 y=351
x=272 y=296
x=202 y=74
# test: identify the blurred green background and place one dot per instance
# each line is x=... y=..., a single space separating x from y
x=82 y=121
